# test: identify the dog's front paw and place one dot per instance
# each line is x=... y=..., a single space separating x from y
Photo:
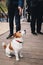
x=17 y=59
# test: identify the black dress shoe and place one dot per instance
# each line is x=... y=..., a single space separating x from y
x=34 y=33
x=40 y=33
x=9 y=36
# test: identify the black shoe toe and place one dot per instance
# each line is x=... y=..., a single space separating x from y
x=34 y=33
x=40 y=33
x=9 y=36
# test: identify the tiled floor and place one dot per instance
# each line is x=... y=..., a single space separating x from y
x=32 y=48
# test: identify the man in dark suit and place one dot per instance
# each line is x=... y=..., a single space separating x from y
x=14 y=9
x=36 y=16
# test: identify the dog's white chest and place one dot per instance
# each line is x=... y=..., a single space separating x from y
x=17 y=45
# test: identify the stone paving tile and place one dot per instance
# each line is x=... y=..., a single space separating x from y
x=4 y=27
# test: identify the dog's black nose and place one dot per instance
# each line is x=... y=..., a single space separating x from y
x=25 y=31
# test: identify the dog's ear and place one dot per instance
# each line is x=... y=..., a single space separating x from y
x=14 y=34
x=17 y=34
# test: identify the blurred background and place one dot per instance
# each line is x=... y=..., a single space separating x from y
x=4 y=11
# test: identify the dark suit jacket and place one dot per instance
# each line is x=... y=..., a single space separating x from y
x=15 y=2
x=32 y=3
x=21 y=3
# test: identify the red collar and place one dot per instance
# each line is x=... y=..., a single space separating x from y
x=18 y=41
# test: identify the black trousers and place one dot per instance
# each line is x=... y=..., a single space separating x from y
x=36 y=17
x=13 y=11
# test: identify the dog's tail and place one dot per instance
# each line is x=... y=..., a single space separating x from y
x=4 y=45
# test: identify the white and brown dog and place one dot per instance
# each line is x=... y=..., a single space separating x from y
x=15 y=46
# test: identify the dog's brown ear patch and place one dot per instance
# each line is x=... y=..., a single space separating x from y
x=10 y=47
x=14 y=34
x=17 y=34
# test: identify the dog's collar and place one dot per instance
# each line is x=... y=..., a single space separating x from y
x=18 y=41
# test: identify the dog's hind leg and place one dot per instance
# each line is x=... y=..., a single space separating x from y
x=8 y=53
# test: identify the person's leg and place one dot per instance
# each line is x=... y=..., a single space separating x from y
x=33 y=20
x=28 y=20
x=39 y=23
x=11 y=17
x=17 y=20
x=33 y=24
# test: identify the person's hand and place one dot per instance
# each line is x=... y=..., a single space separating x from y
x=20 y=10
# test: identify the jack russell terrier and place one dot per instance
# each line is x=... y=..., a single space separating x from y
x=15 y=46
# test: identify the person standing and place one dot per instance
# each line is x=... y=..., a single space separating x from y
x=28 y=10
x=36 y=16
x=41 y=8
x=14 y=9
